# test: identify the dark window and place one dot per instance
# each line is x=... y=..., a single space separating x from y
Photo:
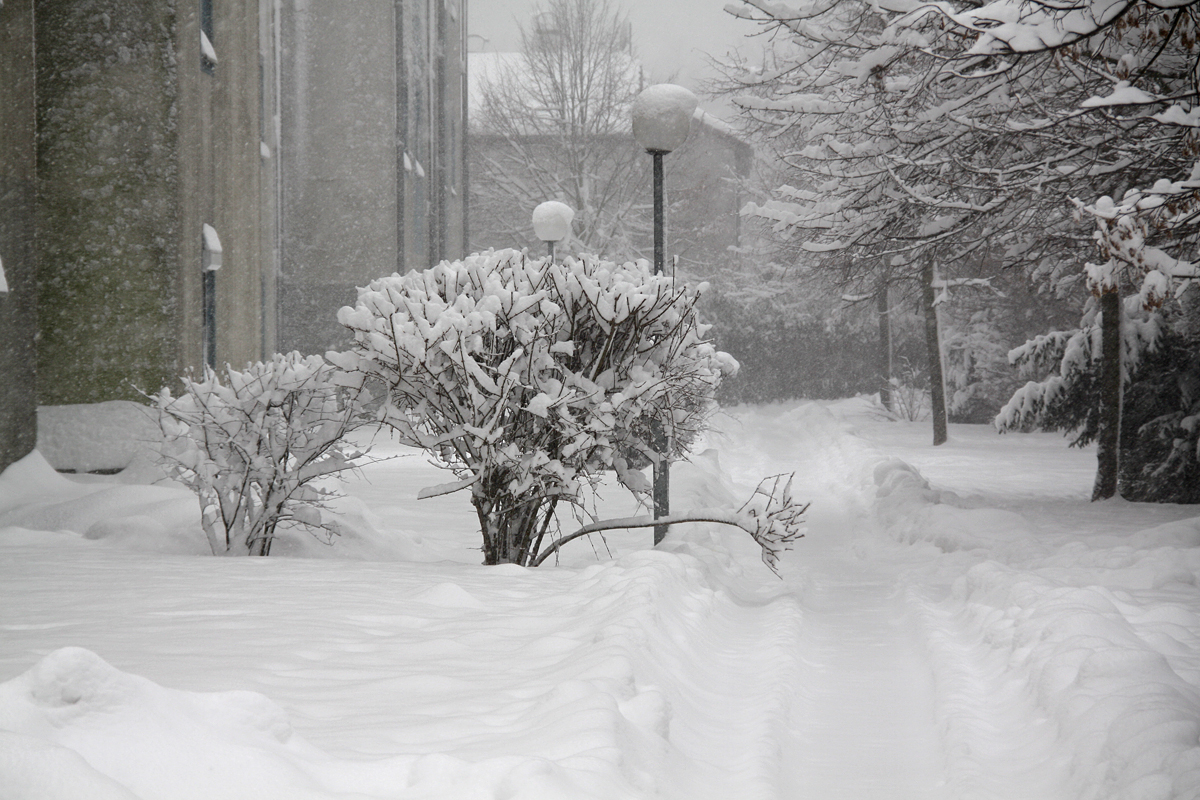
x=207 y=54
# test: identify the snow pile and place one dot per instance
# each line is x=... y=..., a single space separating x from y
x=630 y=679
x=959 y=622
x=155 y=742
x=109 y=436
x=161 y=519
x=660 y=673
x=1092 y=635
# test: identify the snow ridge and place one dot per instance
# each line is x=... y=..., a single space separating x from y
x=1090 y=650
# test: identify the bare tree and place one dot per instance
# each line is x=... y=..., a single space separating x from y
x=553 y=124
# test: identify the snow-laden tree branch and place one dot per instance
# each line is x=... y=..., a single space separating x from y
x=1126 y=322
x=771 y=516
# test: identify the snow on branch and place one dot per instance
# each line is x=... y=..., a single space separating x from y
x=253 y=445
x=1123 y=230
x=771 y=516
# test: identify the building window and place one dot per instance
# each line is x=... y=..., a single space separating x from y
x=210 y=262
x=208 y=53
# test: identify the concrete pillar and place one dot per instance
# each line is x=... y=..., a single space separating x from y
x=18 y=306
x=107 y=205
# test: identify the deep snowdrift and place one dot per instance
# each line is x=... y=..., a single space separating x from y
x=960 y=622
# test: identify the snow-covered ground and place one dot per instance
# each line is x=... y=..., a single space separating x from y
x=959 y=622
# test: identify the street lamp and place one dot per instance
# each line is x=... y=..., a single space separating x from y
x=552 y=223
x=662 y=119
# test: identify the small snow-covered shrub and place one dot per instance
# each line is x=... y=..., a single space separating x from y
x=527 y=379
x=253 y=444
x=909 y=394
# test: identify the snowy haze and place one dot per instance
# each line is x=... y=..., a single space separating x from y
x=959 y=623
x=673 y=38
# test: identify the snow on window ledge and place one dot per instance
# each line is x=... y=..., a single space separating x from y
x=212 y=248
x=206 y=48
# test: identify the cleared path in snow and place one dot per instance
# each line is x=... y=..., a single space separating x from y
x=863 y=722
x=882 y=709
x=862 y=725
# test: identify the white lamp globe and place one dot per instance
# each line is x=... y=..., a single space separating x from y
x=552 y=221
x=662 y=117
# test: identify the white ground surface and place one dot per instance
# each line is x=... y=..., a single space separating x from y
x=959 y=622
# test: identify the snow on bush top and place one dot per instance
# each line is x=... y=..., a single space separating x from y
x=253 y=443
x=533 y=373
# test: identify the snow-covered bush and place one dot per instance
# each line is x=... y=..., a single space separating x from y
x=253 y=444
x=909 y=394
x=528 y=379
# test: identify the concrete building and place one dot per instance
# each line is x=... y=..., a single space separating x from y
x=372 y=163
x=18 y=301
x=140 y=142
x=319 y=145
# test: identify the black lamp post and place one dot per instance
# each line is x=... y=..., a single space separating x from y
x=662 y=119
x=552 y=223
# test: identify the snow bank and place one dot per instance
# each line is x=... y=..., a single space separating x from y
x=1060 y=637
x=110 y=436
x=151 y=741
x=1098 y=662
x=645 y=677
x=656 y=673
x=31 y=767
x=163 y=519
x=1091 y=636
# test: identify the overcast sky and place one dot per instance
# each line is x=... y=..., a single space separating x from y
x=670 y=36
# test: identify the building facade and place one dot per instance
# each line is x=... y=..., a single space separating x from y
x=372 y=157
x=142 y=141
x=303 y=147
x=18 y=297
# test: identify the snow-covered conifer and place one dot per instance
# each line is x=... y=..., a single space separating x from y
x=1141 y=294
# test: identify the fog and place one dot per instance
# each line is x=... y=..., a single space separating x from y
x=673 y=38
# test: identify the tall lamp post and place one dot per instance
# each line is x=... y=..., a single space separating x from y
x=552 y=223
x=662 y=119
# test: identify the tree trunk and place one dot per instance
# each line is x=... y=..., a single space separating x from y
x=933 y=348
x=1108 y=442
x=662 y=489
x=508 y=524
x=885 y=343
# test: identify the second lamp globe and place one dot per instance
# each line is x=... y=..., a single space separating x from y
x=552 y=221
